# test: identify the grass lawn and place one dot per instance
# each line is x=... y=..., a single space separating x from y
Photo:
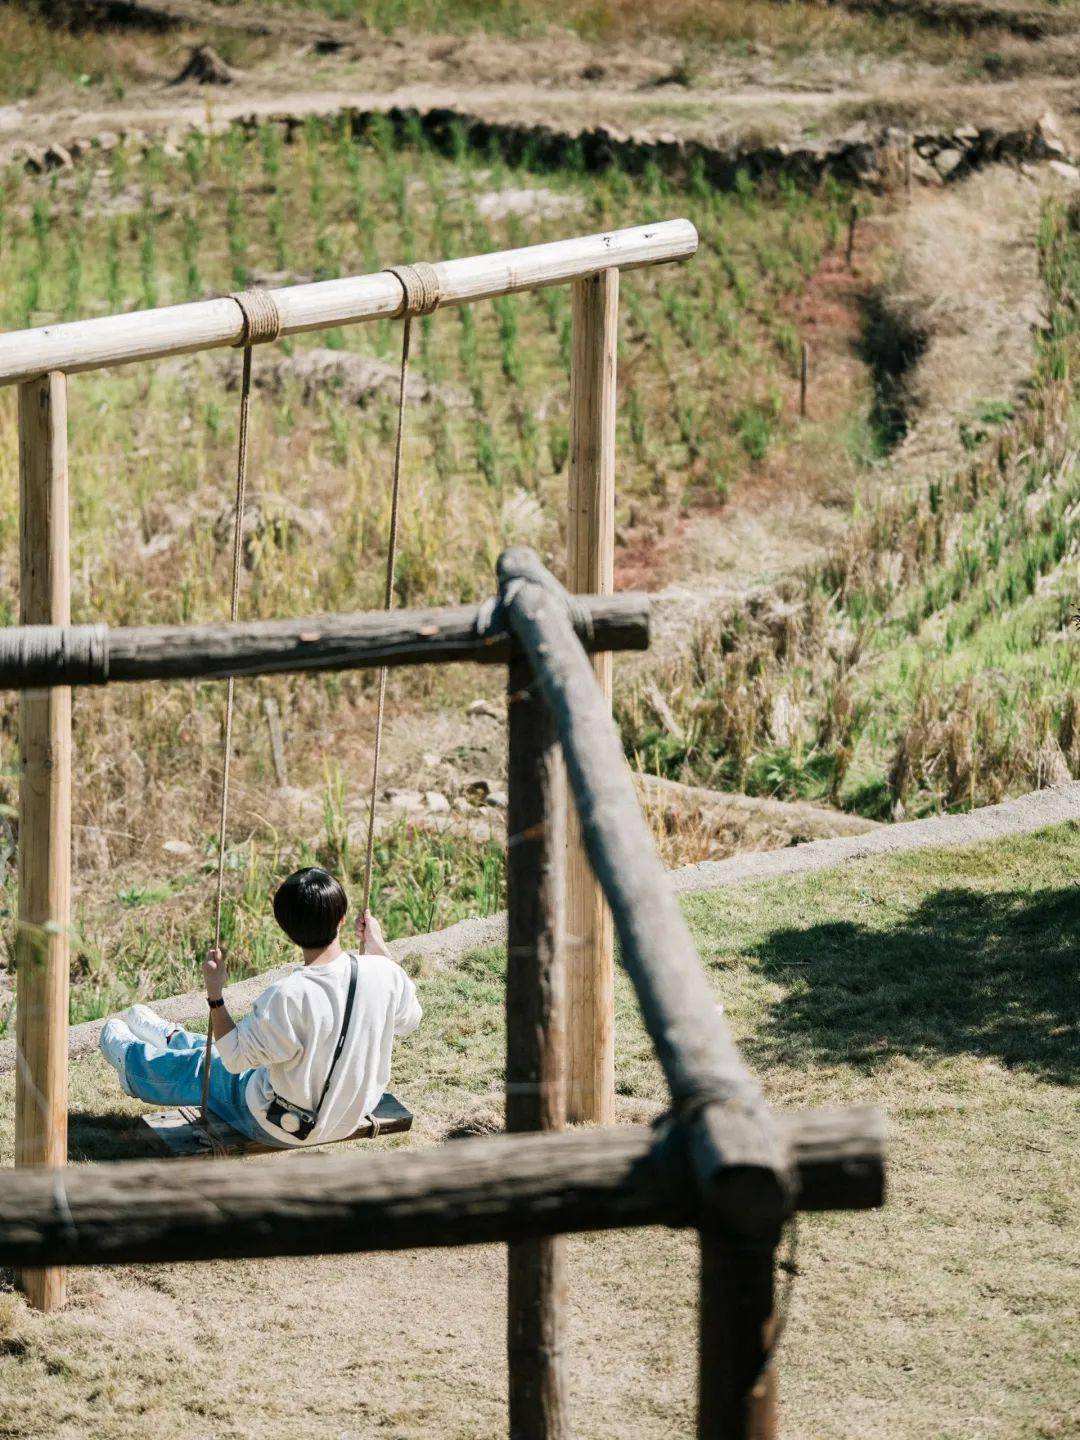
x=941 y=986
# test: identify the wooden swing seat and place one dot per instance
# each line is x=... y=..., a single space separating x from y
x=183 y=1135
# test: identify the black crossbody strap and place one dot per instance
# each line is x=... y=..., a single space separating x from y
x=344 y=1030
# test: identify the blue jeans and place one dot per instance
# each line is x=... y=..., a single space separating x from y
x=174 y=1077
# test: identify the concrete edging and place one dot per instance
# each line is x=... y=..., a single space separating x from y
x=1023 y=816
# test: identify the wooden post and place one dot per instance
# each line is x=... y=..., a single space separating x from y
x=535 y=1046
x=41 y=946
x=804 y=376
x=736 y=1377
x=590 y=570
x=277 y=740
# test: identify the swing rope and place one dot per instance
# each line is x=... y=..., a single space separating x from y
x=262 y=324
x=420 y=290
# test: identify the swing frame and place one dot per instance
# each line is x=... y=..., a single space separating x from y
x=39 y=362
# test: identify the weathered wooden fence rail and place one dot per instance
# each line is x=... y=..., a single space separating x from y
x=720 y=1160
x=469 y=1192
x=40 y=656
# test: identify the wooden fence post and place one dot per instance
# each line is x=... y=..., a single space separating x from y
x=535 y=1045
x=590 y=571
x=736 y=1377
x=41 y=946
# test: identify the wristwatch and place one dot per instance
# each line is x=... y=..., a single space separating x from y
x=215 y=1003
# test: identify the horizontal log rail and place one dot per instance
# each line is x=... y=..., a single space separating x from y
x=35 y=656
x=469 y=1192
x=80 y=345
x=734 y=1137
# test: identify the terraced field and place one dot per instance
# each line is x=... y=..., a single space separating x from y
x=928 y=663
x=709 y=359
x=933 y=661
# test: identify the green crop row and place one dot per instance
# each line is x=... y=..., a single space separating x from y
x=934 y=659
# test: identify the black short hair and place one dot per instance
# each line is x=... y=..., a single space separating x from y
x=310 y=906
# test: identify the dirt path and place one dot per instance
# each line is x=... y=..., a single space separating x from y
x=711 y=113
x=739 y=94
x=159 y=108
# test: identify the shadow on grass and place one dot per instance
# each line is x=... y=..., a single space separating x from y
x=966 y=973
x=110 y=1136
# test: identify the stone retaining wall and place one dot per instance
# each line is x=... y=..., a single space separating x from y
x=887 y=159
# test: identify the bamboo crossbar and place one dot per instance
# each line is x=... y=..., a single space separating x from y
x=469 y=1192
x=81 y=345
x=35 y=656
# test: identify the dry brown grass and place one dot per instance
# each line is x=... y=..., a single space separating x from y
x=39 y=59
x=966 y=274
x=930 y=661
x=937 y=985
x=766 y=24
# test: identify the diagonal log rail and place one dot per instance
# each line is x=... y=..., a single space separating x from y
x=469 y=1192
x=735 y=1148
x=34 y=656
x=81 y=345
x=740 y=1163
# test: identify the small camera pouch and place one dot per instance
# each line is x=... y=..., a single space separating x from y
x=297 y=1122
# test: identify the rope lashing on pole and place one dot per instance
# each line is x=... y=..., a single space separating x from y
x=262 y=326
x=420 y=296
x=48 y=655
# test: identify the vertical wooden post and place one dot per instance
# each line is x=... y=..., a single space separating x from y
x=535 y=1046
x=277 y=741
x=590 y=570
x=804 y=376
x=41 y=947
x=736 y=1377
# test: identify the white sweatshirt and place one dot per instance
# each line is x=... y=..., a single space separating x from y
x=288 y=1039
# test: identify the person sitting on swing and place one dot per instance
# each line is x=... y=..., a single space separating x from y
x=311 y=1060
